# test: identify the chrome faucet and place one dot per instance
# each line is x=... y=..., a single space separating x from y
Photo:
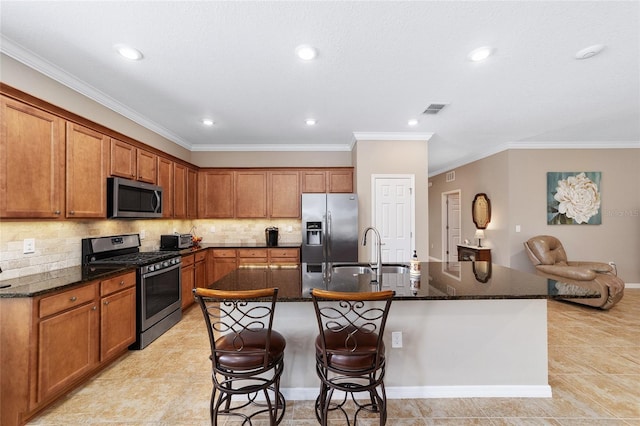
x=378 y=267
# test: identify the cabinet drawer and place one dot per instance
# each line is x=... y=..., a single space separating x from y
x=283 y=252
x=187 y=260
x=253 y=253
x=200 y=256
x=117 y=283
x=224 y=253
x=68 y=299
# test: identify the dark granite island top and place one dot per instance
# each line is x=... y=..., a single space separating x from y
x=438 y=281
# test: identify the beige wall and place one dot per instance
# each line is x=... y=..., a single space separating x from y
x=515 y=181
x=393 y=157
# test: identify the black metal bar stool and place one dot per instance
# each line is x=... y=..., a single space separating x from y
x=350 y=352
x=247 y=356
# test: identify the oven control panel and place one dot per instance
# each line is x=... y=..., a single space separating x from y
x=161 y=265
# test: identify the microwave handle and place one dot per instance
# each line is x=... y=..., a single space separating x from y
x=156 y=205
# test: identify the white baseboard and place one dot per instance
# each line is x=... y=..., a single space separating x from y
x=631 y=285
x=425 y=392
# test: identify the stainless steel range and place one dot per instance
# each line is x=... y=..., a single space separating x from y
x=158 y=295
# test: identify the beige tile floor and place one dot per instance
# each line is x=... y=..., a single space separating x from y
x=594 y=371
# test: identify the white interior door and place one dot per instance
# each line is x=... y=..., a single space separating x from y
x=393 y=216
x=451 y=228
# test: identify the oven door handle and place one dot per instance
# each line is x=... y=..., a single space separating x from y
x=161 y=271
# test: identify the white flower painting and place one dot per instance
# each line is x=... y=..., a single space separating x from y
x=573 y=198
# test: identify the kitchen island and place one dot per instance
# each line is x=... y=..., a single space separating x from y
x=469 y=329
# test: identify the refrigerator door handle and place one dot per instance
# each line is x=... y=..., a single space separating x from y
x=329 y=236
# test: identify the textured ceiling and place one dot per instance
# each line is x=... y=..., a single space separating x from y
x=379 y=64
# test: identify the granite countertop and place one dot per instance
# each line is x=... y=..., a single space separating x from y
x=47 y=282
x=438 y=281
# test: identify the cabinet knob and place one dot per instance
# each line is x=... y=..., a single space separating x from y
x=72 y=212
x=122 y=282
x=94 y=308
x=106 y=302
x=56 y=212
x=73 y=298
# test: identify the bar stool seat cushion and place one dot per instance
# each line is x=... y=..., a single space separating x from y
x=349 y=351
x=243 y=343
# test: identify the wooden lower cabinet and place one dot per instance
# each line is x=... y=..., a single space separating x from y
x=117 y=315
x=188 y=280
x=200 y=272
x=220 y=263
x=68 y=349
x=52 y=343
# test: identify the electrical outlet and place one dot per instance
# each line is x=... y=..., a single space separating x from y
x=29 y=245
x=212 y=229
x=143 y=234
x=396 y=339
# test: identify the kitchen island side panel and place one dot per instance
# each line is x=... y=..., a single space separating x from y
x=451 y=348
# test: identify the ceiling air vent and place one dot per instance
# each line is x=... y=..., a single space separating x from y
x=450 y=176
x=434 y=108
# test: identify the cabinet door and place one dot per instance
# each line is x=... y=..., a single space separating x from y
x=68 y=349
x=313 y=181
x=165 y=180
x=192 y=193
x=251 y=194
x=179 y=191
x=31 y=162
x=200 y=274
x=87 y=162
x=147 y=166
x=117 y=322
x=284 y=194
x=223 y=261
x=123 y=159
x=216 y=194
x=340 y=181
x=188 y=282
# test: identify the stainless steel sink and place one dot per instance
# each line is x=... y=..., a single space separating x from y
x=365 y=268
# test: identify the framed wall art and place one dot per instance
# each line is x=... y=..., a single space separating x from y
x=573 y=198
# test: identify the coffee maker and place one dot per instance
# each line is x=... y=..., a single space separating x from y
x=271 y=235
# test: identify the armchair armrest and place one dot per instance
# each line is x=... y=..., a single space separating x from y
x=578 y=273
x=600 y=267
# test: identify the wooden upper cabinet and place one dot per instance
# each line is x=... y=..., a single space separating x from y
x=313 y=181
x=87 y=164
x=165 y=180
x=123 y=159
x=179 y=191
x=327 y=180
x=216 y=194
x=146 y=166
x=284 y=194
x=31 y=162
x=251 y=194
x=340 y=180
x=192 y=193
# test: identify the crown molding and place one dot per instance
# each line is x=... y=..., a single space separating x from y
x=391 y=136
x=274 y=147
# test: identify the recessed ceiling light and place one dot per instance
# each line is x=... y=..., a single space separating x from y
x=589 y=52
x=310 y=121
x=412 y=122
x=207 y=122
x=305 y=52
x=480 y=54
x=128 y=52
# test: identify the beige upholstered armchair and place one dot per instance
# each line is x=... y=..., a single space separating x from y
x=550 y=259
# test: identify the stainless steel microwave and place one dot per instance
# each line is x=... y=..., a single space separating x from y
x=131 y=199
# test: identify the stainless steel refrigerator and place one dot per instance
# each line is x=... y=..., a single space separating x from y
x=329 y=228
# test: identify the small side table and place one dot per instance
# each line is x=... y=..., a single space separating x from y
x=474 y=253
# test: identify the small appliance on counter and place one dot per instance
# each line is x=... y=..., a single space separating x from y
x=271 y=235
x=176 y=241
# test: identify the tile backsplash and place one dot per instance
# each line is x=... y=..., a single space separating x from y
x=58 y=243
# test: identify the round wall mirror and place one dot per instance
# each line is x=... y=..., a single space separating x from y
x=481 y=211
